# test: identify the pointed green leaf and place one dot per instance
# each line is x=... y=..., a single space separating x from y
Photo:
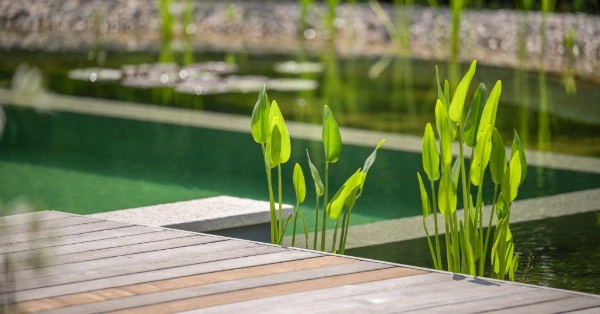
x=512 y=178
x=441 y=118
x=336 y=205
x=447 y=192
x=513 y=267
x=439 y=88
x=482 y=156
x=371 y=159
x=351 y=198
x=491 y=108
x=315 y=175
x=332 y=140
x=424 y=197
x=501 y=207
x=447 y=106
x=474 y=115
x=456 y=170
x=260 y=124
x=273 y=155
x=518 y=147
x=458 y=101
x=277 y=118
x=299 y=184
x=498 y=158
x=431 y=157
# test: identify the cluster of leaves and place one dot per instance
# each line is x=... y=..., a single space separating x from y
x=466 y=245
x=269 y=130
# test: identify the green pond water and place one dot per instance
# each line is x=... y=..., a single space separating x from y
x=86 y=164
x=565 y=251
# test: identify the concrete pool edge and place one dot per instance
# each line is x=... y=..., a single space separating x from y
x=408 y=228
x=240 y=123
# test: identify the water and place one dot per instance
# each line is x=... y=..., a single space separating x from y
x=565 y=251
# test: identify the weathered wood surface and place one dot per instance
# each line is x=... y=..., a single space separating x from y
x=96 y=266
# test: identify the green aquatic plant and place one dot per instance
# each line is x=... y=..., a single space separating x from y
x=466 y=244
x=300 y=188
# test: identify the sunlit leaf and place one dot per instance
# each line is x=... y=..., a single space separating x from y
x=513 y=267
x=491 y=108
x=441 y=118
x=458 y=100
x=518 y=147
x=456 y=170
x=482 y=156
x=332 y=140
x=501 y=207
x=447 y=193
x=336 y=205
x=277 y=117
x=512 y=178
x=315 y=175
x=424 y=197
x=431 y=157
x=447 y=106
x=474 y=115
x=439 y=88
x=273 y=155
x=260 y=118
x=299 y=184
x=369 y=162
x=498 y=158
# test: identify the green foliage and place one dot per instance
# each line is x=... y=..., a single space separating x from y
x=332 y=140
x=299 y=184
x=466 y=243
x=431 y=158
x=335 y=207
x=260 y=118
x=315 y=175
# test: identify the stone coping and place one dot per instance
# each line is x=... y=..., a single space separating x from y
x=201 y=215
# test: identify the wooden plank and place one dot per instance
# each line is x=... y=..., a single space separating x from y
x=577 y=302
x=296 y=300
x=271 y=290
x=222 y=287
x=416 y=298
x=120 y=251
x=166 y=267
x=494 y=302
x=210 y=249
x=591 y=310
x=179 y=283
x=115 y=261
x=46 y=224
x=79 y=238
x=29 y=217
x=61 y=232
x=156 y=235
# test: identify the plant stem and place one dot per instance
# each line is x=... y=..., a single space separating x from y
x=437 y=240
x=274 y=236
x=325 y=203
x=487 y=236
x=295 y=219
x=448 y=247
x=316 y=221
x=344 y=222
x=435 y=263
x=456 y=243
x=280 y=199
x=467 y=211
x=335 y=229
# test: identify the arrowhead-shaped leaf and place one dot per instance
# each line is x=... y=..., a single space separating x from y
x=260 y=124
x=336 y=205
x=482 y=155
x=332 y=140
x=299 y=184
x=518 y=147
x=315 y=175
x=512 y=178
x=447 y=193
x=431 y=157
x=474 y=115
x=491 y=108
x=273 y=155
x=424 y=198
x=498 y=158
x=441 y=118
x=458 y=101
x=286 y=147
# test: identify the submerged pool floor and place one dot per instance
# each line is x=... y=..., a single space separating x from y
x=87 y=164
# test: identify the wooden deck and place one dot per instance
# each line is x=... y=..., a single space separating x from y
x=93 y=266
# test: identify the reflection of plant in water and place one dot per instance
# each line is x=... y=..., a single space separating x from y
x=466 y=245
x=569 y=73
